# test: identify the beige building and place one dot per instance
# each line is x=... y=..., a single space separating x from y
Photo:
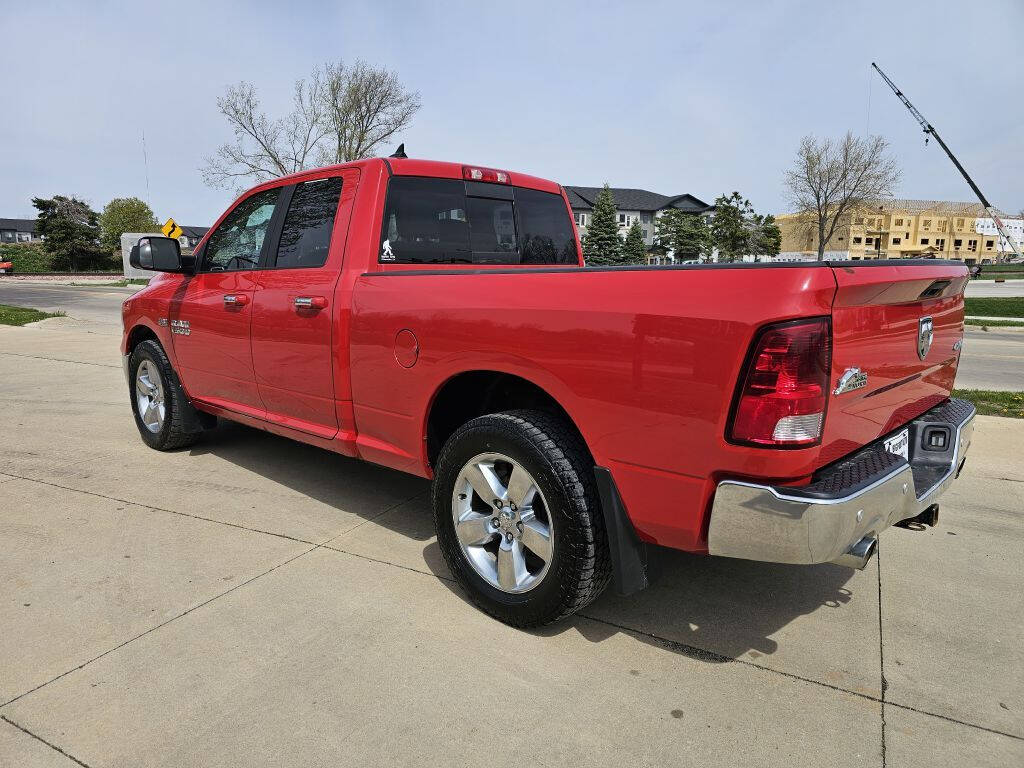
x=904 y=229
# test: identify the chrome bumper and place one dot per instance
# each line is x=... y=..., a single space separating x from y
x=853 y=500
x=127 y=373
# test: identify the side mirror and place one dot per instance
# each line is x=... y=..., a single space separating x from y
x=160 y=254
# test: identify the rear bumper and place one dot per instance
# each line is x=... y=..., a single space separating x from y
x=846 y=503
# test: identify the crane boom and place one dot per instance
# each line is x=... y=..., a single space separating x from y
x=929 y=130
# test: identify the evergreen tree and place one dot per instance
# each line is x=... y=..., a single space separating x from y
x=686 y=235
x=71 y=231
x=602 y=245
x=765 y=236
x=634 y=250
x=730 y=230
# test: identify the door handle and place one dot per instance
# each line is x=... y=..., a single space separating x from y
x=235 y=299
x=310 y=302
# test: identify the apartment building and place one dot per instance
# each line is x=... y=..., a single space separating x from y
x=633 y=205
x=904 y=229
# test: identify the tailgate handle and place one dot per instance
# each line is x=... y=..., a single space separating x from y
x=935 y=289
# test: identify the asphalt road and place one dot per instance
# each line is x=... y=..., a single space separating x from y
x=255 y=601
x=91 y=305
x=987 y=288
x=990 y=360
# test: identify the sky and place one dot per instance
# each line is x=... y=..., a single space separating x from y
x=673 y=97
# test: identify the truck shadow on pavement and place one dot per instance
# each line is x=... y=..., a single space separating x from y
x=348 y=485
x=712 y=609
x=708 y=608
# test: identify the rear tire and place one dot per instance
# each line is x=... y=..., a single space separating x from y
x=557 y=529
x=165 y=418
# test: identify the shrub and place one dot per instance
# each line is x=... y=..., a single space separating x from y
x=33 y=257
x=27 y=257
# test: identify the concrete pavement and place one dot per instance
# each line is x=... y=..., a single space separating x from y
x=254 y=601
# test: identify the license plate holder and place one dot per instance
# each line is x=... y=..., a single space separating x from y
x=899 y=444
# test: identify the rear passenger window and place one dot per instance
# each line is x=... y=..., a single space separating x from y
x=306 y=234
x=434 y=221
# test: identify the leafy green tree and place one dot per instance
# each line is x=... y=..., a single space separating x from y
x=685 y=234
x=765 y=236
x=730 y=230
x=602 y=245
x=634 y=250
x=71 y=231
x=124 y=214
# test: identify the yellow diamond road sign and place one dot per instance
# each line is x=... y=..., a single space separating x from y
x=171 y=229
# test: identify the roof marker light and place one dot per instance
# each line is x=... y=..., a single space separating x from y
x=472 y=173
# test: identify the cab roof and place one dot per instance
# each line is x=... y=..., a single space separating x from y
x=409 y=166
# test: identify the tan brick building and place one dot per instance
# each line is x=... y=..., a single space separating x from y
x=904 y=229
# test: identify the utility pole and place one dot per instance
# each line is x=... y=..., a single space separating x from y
x=929 y=130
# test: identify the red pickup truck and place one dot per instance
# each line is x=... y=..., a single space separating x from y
x=438 y=319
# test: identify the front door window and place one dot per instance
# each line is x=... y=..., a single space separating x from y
x=238 y=242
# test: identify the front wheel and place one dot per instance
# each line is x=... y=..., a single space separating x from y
x=518 y=518
x=165 y=418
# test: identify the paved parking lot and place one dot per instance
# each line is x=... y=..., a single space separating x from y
x=254 y=601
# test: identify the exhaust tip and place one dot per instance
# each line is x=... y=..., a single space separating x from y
x=859 y=554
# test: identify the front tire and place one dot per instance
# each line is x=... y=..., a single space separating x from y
x=163 y=415
x=536 y=550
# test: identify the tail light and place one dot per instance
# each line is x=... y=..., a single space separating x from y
x=782 y=398
x=471 y=173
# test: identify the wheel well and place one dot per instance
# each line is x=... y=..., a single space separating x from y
x=139 y=334
x=476 y=393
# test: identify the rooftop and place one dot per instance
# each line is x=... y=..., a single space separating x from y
x=19 y=225
x=628 y=199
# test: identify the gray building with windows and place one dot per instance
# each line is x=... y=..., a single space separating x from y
x=18 y=231
x=633 y=205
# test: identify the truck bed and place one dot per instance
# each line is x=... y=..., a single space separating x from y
x=645 y=361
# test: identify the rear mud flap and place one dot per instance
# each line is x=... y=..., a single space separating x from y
x=628 y=553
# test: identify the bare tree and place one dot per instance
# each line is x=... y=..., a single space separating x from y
x=339 y=114
x=264 y=148
x=830 y=179
x=364 y=108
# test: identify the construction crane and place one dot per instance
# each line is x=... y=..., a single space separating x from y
x=929 y=130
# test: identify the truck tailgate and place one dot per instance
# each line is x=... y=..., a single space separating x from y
x=883 y=318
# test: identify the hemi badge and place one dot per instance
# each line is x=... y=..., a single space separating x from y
x=852 y=378
x=162 y=321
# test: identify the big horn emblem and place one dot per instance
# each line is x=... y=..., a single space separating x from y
x=924 y=337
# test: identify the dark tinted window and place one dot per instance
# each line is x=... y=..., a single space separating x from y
x=237 y=242
x=434 y=221
x=492 y=230
x=545 y=234
x=425 y=222
x=306 y=234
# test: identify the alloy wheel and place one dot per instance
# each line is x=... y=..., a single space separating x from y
x=503 y=523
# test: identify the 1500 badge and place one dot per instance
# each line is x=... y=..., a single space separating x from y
x=180 y=327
